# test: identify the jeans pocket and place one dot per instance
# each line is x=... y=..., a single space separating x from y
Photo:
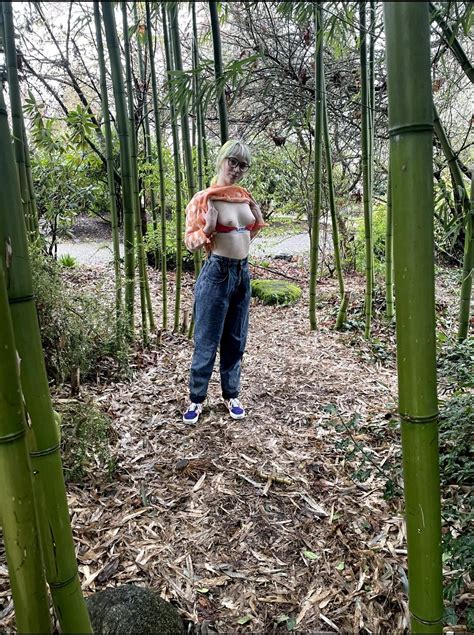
x=217 y=271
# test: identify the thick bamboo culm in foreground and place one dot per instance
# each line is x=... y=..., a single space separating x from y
x=407 y=31
x=43 y=437
x=18 y=515
x=318 y=143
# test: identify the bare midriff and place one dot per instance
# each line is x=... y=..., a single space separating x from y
x=233 y=244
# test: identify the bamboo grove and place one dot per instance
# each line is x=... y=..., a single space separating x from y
x=166 y=111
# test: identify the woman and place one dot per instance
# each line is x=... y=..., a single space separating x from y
x=223 y=219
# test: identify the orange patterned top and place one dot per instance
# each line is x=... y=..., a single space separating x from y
x=196 y=211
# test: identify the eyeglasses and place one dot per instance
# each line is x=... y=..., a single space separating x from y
x=235 y=163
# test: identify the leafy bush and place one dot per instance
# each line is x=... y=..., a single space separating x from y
x=456 y=364
x=152 y=245
x=379 y=226
x=77 y=330
x=457 y=480
x=85 y=440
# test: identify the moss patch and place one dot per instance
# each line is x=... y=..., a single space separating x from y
x=276 y=291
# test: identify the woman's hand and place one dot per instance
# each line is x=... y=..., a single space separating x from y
x=256 y=211
x=211 y=218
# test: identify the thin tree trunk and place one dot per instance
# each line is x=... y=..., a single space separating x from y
x=110 y=167
x=318 y=143
x=43 y=438
x=366 y=171
x=177 y=176
x=218 y=69
x=159 y=149
x=125 y=161
x=19 y=520
x=411 y=132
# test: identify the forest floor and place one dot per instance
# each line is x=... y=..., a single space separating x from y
x=290 y=519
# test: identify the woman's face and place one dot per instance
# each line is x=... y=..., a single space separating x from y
x=232 y=169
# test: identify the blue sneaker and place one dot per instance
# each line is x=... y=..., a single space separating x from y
x=192 y=413
x=235 y=408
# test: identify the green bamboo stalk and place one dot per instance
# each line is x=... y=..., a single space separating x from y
x=43 y=439
x=318 y=142
x=159 y=149
x=148 y=159
x=18 y=517
x=332 y=198
x=411 y=132
x=147 y=137
x=389 y=249
x=466 y=205
x=371 y=96
x=110 y=166
x=366 y=171
x=344 y=297
x=113 y=47
x=452 y=42
x=29 y=177
x=219 y=74
x=177 y=175
x=197 y=103
x=132 y=137
x=186 y=142
x=17 y=116
x=468 y=268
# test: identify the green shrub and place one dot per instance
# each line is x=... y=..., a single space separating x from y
x=457 y=479
x=456 y=363
x=379 y=225
x=77 y=329
x=276 y=291
x=152 y=244
x=85 y=440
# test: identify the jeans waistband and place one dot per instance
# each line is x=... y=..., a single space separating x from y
x=229 y=261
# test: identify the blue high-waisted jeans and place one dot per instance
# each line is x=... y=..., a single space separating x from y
x=221 y=317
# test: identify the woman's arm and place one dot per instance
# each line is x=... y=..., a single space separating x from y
x=199 y=226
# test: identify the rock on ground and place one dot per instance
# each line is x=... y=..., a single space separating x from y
x=132 y=609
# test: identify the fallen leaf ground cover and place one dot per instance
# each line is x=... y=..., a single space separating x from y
x=289 y=520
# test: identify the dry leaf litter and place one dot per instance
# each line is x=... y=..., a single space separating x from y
x=259 y=525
